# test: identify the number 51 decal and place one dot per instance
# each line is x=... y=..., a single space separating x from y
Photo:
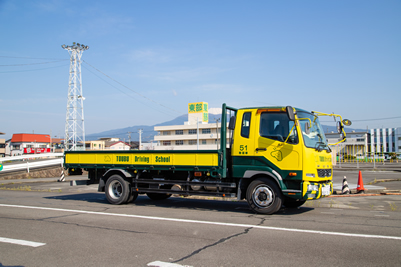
x=243 y=149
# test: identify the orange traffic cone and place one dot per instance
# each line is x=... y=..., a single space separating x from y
x=360 y=189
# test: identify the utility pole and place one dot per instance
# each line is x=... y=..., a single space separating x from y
x=74 y=138
x=197 y=133
x=217 y=131
x=129 y=138
x=140 y=138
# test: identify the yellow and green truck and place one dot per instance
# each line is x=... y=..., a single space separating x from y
x=274 y=156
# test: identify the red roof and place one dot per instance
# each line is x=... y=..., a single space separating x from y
x=119 y=142
x=57 y=140
x=23 y=138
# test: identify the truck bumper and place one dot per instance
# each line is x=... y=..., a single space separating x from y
x=314 y=190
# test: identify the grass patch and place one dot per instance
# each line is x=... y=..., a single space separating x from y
x=19 y=188
x=28 y=188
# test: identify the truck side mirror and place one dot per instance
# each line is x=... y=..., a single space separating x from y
x=339 y=127
x=231 y=124
x=290 y=113
x=307 y=127
x=347 y=122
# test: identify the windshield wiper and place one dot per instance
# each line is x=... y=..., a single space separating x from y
x=324 y=145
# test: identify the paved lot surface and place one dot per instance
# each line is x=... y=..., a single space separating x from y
x=82 y=229
x=76 y=226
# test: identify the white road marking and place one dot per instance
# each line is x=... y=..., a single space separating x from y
x=21 y=242
x=327 y=212
x=382 y=215
x=165 y=264
x=206 y=222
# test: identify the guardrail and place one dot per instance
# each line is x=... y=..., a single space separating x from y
x=30 y=165
x=31 y=156
x=27 y=165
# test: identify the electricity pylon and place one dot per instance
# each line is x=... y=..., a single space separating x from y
x=74 y=138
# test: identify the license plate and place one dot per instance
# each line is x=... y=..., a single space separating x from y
x=326 y=190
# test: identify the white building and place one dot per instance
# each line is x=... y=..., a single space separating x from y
x=196 y=133
x=2 y=146
x=380 y=141
x=107 y=143
x=120 y=145
x=385 y=140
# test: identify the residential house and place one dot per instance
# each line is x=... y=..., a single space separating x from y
x=2 y=146
x=30 y=144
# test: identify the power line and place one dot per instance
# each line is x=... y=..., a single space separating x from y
x=34 y=69
x=389 y=118
x=35 y=58
x=147 y=98
x=26 y=64
x=122 y=90
x=379 y=119
x=57 y=60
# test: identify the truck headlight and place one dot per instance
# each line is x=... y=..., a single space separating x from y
x=313 y=187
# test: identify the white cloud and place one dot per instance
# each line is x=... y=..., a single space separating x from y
x=105 y=24
x=215 y=111
x=150 y=56
x=220 y=87
x=51 y=6
x=188 y=74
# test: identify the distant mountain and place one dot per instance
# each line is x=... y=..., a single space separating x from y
x=329 y=129
x=148 y=131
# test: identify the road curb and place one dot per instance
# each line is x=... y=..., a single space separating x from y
x=366 y=195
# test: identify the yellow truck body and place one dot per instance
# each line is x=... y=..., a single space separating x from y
x=277 y=156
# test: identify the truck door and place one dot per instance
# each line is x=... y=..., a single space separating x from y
x=277 y=141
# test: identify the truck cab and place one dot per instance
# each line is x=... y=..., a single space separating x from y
x=286 y=154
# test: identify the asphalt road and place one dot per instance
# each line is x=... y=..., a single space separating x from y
x=373 y=181
x=80 y=228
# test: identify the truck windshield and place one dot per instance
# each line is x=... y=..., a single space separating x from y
x=316 y=138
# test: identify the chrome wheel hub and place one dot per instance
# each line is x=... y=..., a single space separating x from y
x=263 y=196
x=115 y=190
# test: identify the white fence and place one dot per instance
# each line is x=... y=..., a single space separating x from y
x=51 y=159
x=31 y=156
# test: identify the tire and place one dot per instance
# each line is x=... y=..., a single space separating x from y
x=133 y=196
x=118 y=191
x=264 y=196
x=292 y=203
x=158 y=196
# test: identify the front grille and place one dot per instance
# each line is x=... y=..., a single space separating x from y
x=324 y=173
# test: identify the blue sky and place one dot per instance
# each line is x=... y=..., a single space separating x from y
x=328 y=56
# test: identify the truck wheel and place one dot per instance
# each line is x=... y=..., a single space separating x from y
x=117 y=190
x=158 y=196
x=292 y=203
x=264 y=196
x=133 y=196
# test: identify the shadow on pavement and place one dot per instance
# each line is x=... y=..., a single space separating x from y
x=88 y=197
x=180 y=203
